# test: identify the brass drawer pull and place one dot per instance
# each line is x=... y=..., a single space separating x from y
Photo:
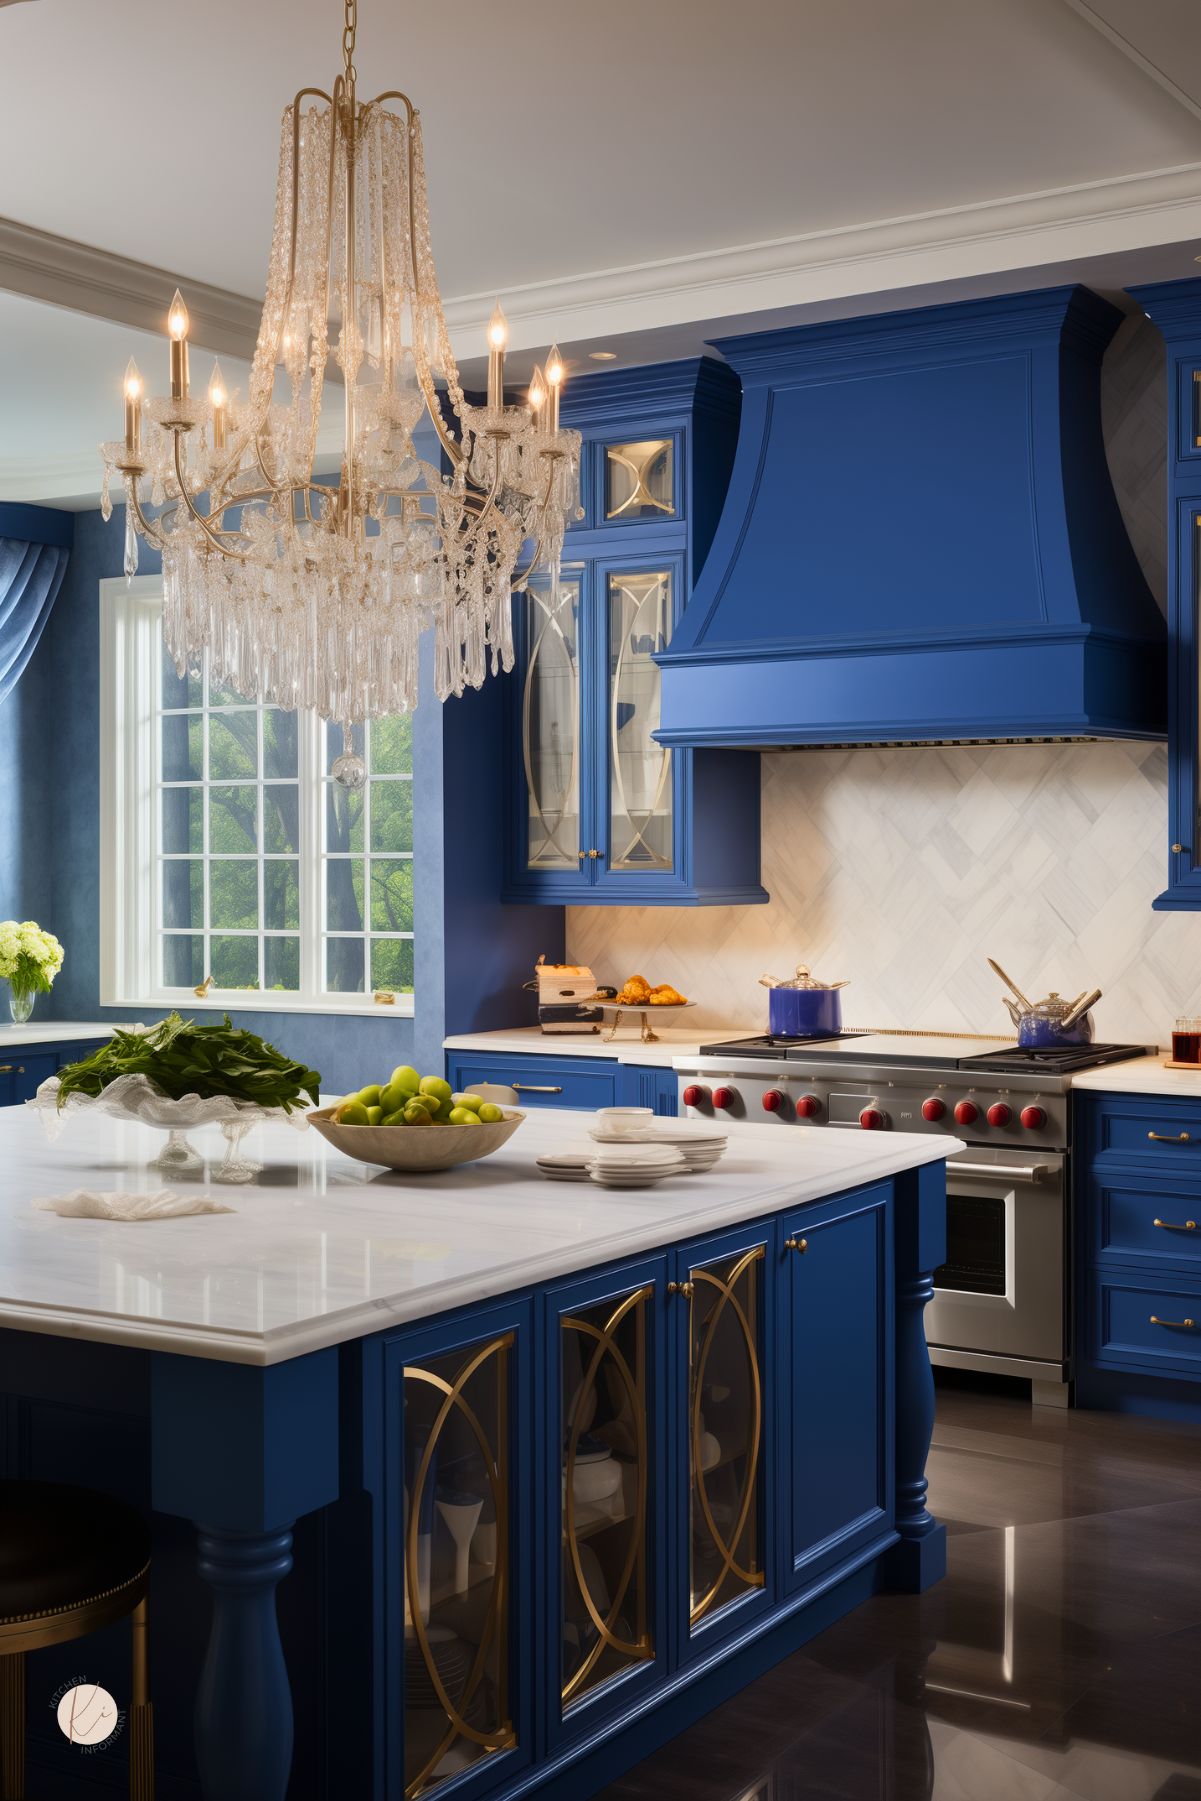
x=6 y=1069
x=1190 y=1323
x=536 y=1088
x=1175 y=1225
x=683 y=1288
x=796 y=1244
x=1170 y=1137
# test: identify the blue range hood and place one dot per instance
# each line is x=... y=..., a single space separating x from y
x=920 y=541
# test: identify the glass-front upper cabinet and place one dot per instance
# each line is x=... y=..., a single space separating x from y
x=551 y=718
x=640 y=785
x=457 y=1581
x=600 y=813
x=640 y=479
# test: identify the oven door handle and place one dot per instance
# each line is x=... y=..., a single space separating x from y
x=1006 y=1172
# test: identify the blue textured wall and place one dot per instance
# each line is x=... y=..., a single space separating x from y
x=472 y=954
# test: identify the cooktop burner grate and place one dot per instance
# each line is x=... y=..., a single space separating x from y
x=1061 y=1060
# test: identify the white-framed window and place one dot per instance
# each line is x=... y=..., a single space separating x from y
x=228 y=851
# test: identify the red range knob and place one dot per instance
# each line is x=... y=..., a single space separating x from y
x=933 y=1108
x=695 y=1096
x=808 y=1107
x=773 y=1100
x=1033 y=1118
x=724 y=1097
x=999 y=1114
x=872 y=1120
x=966 y=1112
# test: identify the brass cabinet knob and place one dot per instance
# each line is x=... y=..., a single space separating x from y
x=1178 y=849
x=582 y=854
x=796 y=1244
x=683 y=1288
x=594 y=853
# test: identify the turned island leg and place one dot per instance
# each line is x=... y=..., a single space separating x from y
x=243 y=1451
x=244 y=1702
x=920 y=1559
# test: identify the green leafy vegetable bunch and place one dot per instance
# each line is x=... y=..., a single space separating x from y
x=181 y=1058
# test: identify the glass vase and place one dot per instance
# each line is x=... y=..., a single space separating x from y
x=20 y=1003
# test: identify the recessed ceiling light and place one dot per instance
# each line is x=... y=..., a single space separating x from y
x=602 y=356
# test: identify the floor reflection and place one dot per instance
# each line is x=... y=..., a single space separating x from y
x=1059 y=1661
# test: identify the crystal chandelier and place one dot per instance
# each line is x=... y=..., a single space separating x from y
x=311 y=594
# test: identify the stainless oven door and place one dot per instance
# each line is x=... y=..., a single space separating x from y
x=1001 y=1290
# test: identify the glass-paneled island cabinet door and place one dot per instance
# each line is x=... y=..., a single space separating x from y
x=608 y=1381
x=552 y=721
x=723 y=1285
x=458 y=1586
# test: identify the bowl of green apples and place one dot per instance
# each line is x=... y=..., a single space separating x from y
x=414 y=1122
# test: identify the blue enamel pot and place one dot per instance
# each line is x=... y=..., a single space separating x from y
x=803 y=1008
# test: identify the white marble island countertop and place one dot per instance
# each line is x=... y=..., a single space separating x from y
x=321 y=1249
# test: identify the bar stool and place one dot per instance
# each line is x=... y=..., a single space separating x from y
x=71 y=1561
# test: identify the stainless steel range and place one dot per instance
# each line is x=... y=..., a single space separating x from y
x=1002 y=1299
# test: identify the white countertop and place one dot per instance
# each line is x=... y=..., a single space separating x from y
x=322 y=1249
x=627 y=1047
x=1142 y=1075
x=55 y=1031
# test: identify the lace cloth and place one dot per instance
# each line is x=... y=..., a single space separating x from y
x=84 y=1203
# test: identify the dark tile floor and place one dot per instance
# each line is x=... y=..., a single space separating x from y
x=1060 y=1660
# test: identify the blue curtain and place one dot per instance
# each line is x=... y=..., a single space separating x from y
x=30 y=578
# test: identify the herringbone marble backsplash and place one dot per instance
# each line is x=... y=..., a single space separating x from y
x=903 y=869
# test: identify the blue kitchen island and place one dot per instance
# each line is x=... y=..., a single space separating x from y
x=473 y=1484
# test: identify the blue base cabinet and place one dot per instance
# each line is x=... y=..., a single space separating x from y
x=601 y=814
x=604 y=1506
x=23 y=1068
x=1139 y=1261
x=544 y=1080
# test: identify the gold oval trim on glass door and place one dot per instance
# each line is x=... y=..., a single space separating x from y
x=640 y=1649
x=495 y=1463
x=569 y=594
x=727 y=1552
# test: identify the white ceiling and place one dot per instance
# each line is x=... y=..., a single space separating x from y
x=639 y=174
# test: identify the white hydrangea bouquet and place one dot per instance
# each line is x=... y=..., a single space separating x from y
x=29 y=961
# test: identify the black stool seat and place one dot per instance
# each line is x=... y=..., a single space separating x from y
x=63 y=1549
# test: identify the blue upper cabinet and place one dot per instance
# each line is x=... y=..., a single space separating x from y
x=601 y=812
x=1175 y=307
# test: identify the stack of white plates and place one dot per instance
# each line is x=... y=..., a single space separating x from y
x=700 y=1145
x=635 y=1165
x=565 y=1166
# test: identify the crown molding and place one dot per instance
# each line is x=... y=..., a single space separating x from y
x=1019 y=232
x=64 y=273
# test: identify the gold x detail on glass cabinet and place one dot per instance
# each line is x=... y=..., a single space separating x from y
x=457 y=1585
x=725 y=1430
x=640 y=480
x=640 y=807
x=605 y=1481
x=551 y=722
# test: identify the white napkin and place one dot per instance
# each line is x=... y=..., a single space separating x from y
x=82 y=1203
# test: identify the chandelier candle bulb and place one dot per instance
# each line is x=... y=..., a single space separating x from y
x=177 y=325
x=217 y=400
x=537 y=395
x=498 y=337
x=554 y=381
x=133 y=410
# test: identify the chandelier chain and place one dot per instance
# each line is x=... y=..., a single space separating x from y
x=349 y=31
